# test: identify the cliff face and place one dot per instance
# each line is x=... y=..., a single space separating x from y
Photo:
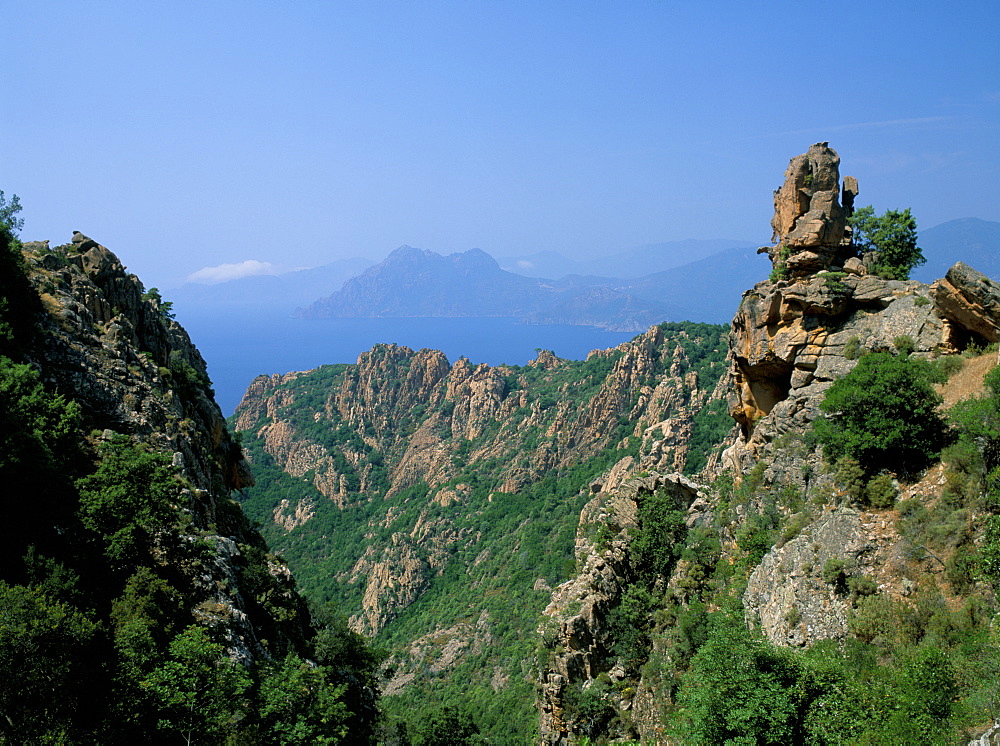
x=132 y=581
x=400 y=418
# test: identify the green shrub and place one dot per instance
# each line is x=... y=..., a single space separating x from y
x=904 y=344
x=960 y=570
x=127 y=497
x=834 y=572
x=989 y=552
x=880 y=492
x=850 y=476
x=780 y=269
x=921 y=300
x=860 y=585
x=741 y=689
x=884 y=414
x=949 y=365
x=852 y=348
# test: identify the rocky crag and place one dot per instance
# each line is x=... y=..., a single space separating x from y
x=454 y=489
x=770 y=532
x=131 y=533
x=134 y=371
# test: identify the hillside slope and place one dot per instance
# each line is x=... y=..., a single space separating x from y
x=797 y=594
x=139 y=604
x=436 y=503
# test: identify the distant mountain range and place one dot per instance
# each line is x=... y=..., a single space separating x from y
x=418 y=282
x=279 y=293
x=971 y=240
x=628 y=264
x=694 y=280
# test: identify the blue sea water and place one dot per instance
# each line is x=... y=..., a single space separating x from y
x=238 y=348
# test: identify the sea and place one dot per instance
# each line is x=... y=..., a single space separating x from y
x=239 y=347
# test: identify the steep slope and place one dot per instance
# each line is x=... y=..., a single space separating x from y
x=784 y=598
x=126 y=562
x=436 y=503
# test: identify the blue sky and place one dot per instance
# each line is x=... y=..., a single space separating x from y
x=187 y=135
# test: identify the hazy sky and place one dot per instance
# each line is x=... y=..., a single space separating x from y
x=186 y=135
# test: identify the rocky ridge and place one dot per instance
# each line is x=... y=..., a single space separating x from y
x=476 y=409
x=791 y=338
x=464 y=483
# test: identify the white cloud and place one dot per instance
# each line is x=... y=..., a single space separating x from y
x=227 y=272
x=524 y=264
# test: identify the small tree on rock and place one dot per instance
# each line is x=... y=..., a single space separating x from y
x=892 y=238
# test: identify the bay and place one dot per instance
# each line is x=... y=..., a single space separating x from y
x=239 y=347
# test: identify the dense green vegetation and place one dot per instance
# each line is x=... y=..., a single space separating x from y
x=917 y=668
x=100 y=640
x=884 y=414
x=512 y=547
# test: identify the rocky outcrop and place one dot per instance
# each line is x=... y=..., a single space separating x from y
x=791 y=339
x=113 y=348
x=810 y=224
x=576 y=632
x=970 y=302
x=425 y=458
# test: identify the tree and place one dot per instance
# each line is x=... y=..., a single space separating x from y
x=9 y=222
x=198 y=689
x=741 y=689
x=893 y=239
x=299 y=704
x=128 y=497
x=44 y=669
x=884 y=414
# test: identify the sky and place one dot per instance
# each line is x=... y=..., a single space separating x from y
x=207 y=139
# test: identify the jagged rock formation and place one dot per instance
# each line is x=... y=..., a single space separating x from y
x=792 y=337
x=788 y=344
x=463 y=485
x=969 y=301
x=810 y=224
x=482 y=411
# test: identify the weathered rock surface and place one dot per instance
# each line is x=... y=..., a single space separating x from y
x=788 y=342
x=970 y=301
x=810 y=224
x=477 y=414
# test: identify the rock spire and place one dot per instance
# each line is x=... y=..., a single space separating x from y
x=810 y=217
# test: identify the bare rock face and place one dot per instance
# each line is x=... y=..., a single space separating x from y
x=809 y=223
x=970 y=301
x=787 y=596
